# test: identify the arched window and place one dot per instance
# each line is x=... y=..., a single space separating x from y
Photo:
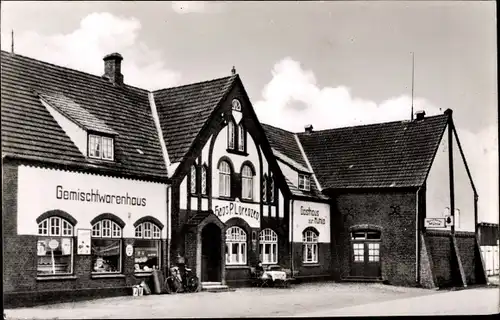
x=236 y=246
x=247 y=182
x=241 y=137
x=203 y=180
x=264 y=188
x=193 y=179
x=231 y=135
x=147 y=247
x=268 y=246
x=224 y=179
x=55 y=246
x=106 y=247
x=310 y=246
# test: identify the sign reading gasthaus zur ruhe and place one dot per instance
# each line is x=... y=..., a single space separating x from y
x=311 y=214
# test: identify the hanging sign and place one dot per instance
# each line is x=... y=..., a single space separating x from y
x=129 y=250
x=83 y=238
x=435 y=223
x=53 y=244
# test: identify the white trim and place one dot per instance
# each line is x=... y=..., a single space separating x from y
x=307 y=162
x=289 y=161
x=154 y=112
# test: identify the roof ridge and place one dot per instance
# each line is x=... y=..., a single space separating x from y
x=68 y=69
x=196 y=83
x=369 y=124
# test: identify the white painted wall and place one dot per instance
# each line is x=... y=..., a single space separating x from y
x=311 y=214
x=281 y=205
x=464 y=194
x=183 y=194
x=204 y=152
x=72 y=130
x=438 y=188
x=194 y=203
x=289 y=173
x=38 y=193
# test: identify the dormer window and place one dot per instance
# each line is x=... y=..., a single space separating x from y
x=101 y=147
x=304 y=182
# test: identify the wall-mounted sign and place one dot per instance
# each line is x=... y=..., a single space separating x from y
x=83 y=241
x=308 y=214
x=313 y=214
x=53 y=244
x=226 y=210
x=435 y=223
x=449 y=220
x=129 y=250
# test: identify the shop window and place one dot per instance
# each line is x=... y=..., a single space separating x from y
x=247 y=182
x=203 y=180
x=147 y=247
x=231 y=135
x=241 y=137
x=106 y=247
x=236 y=246
x=304 y=182
x=101 y=147
x=193 y=179
x=224 y=179
x=310 y=246
x=268 y=246
x=55 y=247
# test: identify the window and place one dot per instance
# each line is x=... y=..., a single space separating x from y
x=193 y=179
x=304 y=182
x=147 y=247
x=236 y=246
x=236 y=105
x=359 y=252
x=106 y=247
x=373 y=252
x=247 y=182
x=224 y=179
x=241 y=137
x=264 y=189
x=203 y=180
x=268 y=246
x=231 y=135
x=101 y=147
x=310 y=246
x=55 y=247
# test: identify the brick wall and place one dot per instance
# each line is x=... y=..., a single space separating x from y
x=394 y=214
x=321 y=269
x=440 y=250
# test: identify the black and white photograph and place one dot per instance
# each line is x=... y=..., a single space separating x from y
x=243 y=159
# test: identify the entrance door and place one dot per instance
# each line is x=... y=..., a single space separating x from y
x=211 y=253
x=365 y=254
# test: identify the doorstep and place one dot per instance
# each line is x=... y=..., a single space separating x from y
x=215 y=287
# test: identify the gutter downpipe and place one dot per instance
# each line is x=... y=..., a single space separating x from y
x=168 y=232
x=417 y=242
x=291 y=238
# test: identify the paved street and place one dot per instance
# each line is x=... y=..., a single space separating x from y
x=306 y=300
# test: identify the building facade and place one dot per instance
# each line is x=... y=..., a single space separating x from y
x=105 y=182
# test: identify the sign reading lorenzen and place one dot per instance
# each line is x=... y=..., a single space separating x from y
x=226 y=210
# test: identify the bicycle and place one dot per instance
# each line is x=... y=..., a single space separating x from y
x=177 y=282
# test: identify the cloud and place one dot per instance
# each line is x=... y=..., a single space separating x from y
x=99 y=34
x=292 y=99
x=184 y=7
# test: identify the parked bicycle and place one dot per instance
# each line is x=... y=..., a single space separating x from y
x=181 y=282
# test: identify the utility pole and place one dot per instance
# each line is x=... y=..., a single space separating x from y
x=412 y=81
x=12 y=41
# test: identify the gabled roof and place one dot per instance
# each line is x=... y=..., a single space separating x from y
x=184 y=110
x=392 y=154
x=284 y=142
x=30 y=132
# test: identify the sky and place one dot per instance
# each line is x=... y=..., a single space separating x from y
x=326 y=63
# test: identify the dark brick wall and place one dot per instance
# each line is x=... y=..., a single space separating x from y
x=320 y=269
x=440 y=249
x=426 y=265
x=394 y=213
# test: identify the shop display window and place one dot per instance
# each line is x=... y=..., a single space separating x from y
x=55 y=247
x=106 y=247
x=147 y=247
x=268 y=246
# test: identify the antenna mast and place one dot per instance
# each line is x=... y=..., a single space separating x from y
x=12 y=42
x=412 y=81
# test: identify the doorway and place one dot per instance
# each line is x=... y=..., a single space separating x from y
x=365 y=254
x=211 y=257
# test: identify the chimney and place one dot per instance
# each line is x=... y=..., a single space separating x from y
x=113 y=68
x=419 y=115
x=308 y=128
